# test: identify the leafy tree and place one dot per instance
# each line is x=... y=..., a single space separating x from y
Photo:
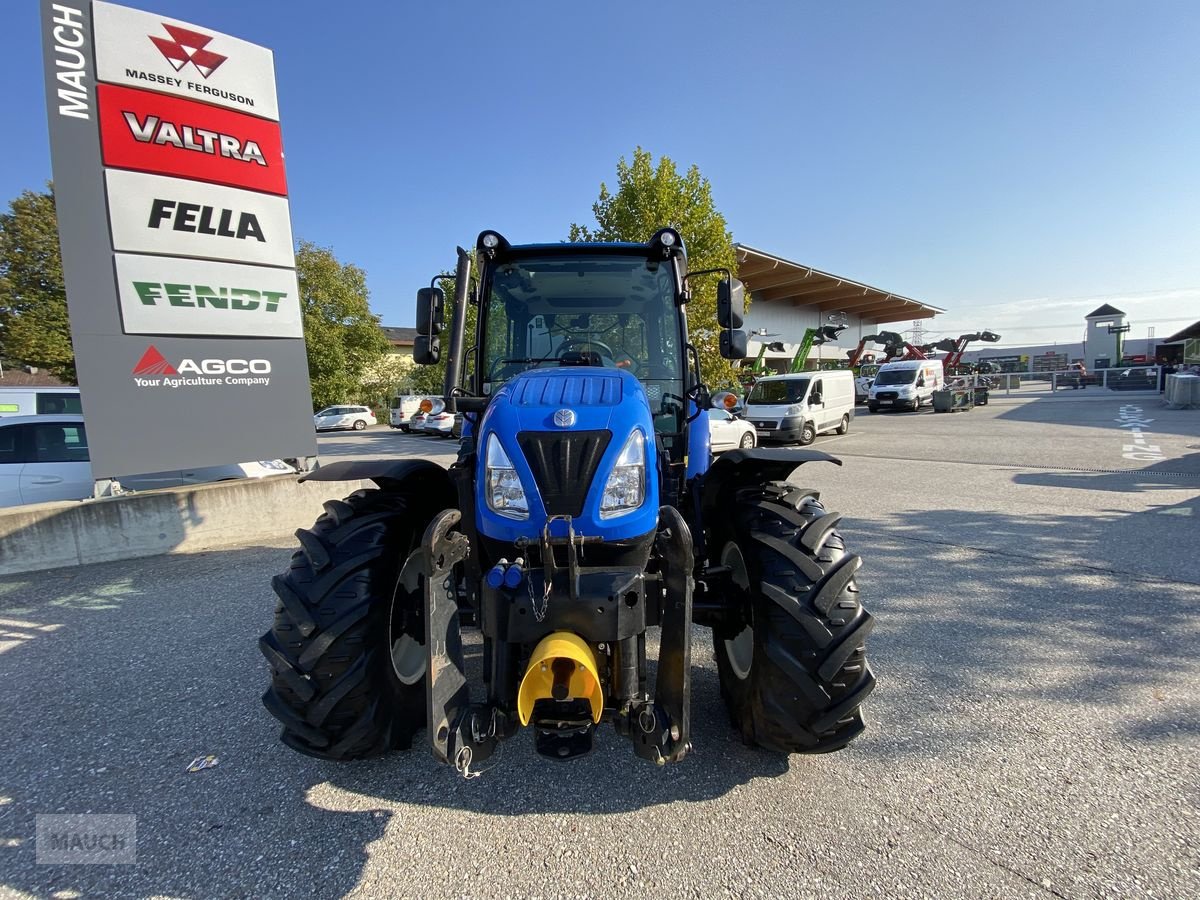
x=33 y=301
x=650 y=197
x=343 y=337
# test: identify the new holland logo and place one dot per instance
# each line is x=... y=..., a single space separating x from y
x=155 y=370
x=187 y=46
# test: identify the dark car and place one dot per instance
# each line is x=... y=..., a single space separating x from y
x=1139 y=379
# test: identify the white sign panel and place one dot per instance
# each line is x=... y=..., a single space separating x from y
x=162 y=295
x=156 y=214
x=162 y=54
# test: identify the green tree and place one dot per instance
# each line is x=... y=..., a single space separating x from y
x=342 y=335
x=33 y=301
x=650 y=197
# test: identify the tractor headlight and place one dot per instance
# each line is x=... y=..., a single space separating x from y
x=626 y=486
x=505 y=495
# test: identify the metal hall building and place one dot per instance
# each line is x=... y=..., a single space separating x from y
x=788 y=297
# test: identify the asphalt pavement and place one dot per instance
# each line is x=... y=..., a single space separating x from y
x=1035 y=731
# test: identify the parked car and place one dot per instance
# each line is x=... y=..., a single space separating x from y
x=1075 y=377
x=334 y=417
x=1144 y=378
x=45 y=458
x=727 y=431
x=404 y=407
x=439 y=423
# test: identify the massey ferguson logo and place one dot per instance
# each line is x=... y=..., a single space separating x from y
x=155 y=370
x=187 y=46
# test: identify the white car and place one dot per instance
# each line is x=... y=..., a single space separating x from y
x=727 y=431
x=440 y=423
x=356 y=417
x=45 y=458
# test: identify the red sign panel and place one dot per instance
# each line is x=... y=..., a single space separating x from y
x=166 y=135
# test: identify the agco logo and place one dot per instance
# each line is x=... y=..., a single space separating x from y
x=155 y=370
x=187 y=46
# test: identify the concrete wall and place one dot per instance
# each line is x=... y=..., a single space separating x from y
x=180 y=520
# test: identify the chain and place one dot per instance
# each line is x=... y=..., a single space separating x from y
x=539 y=612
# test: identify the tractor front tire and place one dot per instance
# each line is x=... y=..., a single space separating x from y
x=347 y=626
x=794 y=672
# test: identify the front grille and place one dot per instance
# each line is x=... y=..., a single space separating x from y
x=563 y=465
x=766 y=425
x=886 y=395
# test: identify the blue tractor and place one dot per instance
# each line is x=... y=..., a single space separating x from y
x=583 y=529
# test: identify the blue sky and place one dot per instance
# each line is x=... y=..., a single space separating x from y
x=1016 y=164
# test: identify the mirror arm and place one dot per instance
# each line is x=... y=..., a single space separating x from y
x=458 y=326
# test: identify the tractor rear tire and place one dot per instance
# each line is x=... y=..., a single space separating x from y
x=341 y=610
x=793 y=679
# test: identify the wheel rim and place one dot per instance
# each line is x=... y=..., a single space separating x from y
x=360 y=425
x=407 y=653
x=845 y=424
x=740 y=649
x=808 y=435
x=747 y=440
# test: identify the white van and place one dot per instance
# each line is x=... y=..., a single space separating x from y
x=796 y=408
x=906 y=384
x=39 y=401
x=404 y=407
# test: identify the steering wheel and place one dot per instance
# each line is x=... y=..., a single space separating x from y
x=584 y=347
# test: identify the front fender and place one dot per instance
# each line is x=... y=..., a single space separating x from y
x=742 y=468
x=392 y=474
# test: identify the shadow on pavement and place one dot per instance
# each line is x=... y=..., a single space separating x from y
x=119 y=675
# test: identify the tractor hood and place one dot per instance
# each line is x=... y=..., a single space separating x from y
x=560 y=433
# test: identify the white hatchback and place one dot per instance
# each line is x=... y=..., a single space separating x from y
x=45 y=458
x=727 y=431
x=356 y=417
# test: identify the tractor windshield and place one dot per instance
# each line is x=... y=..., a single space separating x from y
x=609 y=311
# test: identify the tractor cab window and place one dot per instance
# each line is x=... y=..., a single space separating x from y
x=603 y=311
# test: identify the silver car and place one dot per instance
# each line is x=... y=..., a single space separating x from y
x=45 y=458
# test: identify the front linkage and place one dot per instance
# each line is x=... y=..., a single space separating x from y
x=463 y=732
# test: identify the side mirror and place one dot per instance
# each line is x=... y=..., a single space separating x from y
x=815 y=398
x=431 y=317
x=731 y=303
x=426 y=350
x=734 y=344
x=431 y=311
